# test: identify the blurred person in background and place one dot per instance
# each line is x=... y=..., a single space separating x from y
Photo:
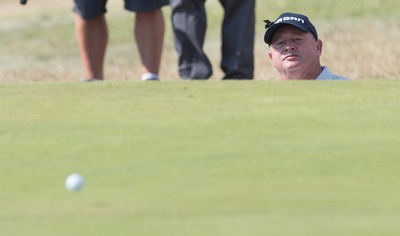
x=295 y=50
x=189 y=24
x=92 y=34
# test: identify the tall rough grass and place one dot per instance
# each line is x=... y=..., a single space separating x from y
x=37 y=41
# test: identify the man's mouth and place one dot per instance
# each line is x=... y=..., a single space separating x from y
x=290 y=56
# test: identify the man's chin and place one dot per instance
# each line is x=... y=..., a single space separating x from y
x=292 y=66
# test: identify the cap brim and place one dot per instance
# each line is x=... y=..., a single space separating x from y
x=271 y=30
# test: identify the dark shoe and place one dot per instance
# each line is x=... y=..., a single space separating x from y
x=237 y=76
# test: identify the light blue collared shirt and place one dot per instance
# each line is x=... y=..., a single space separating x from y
x=326 y=74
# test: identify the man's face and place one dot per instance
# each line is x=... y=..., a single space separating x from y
x=294 y=52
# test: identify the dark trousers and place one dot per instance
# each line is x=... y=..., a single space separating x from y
x=189 y=26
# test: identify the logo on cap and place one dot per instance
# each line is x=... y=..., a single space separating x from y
x=289 y=18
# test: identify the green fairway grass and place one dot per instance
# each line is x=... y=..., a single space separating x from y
x=182 y=158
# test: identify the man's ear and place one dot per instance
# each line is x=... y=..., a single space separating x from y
x=270 y=55
x=319 y=45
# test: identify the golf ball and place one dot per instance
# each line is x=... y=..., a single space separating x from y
x=74 y=182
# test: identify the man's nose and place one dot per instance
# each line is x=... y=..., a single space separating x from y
x=290 y=47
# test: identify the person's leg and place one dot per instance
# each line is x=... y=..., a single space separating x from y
x=92 y=40
x=238 y=39
x=91 y=31
x=189 y=24
x=149 y=34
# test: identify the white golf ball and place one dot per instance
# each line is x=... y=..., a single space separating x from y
x=74 y=182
